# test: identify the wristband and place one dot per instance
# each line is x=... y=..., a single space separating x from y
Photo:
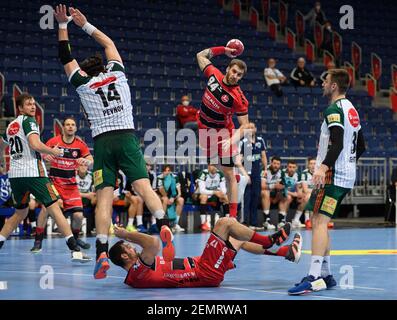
x=64 y=25
x=216 y=51
x=88 y=28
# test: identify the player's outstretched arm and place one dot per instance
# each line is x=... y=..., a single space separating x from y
x=65 y=54
x=80 y=20
x=203 y=57
x=37 y=145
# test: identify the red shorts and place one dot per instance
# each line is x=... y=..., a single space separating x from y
x=210 y=144
x=216 y=259
x=70 y=196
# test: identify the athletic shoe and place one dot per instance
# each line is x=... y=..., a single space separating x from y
x=80 y=256
x=297 y=225
x=131 y=228
x=154 y=229
x=166 y=237
x=101 y=266
x=330 y=225
x=141 y=228
x=82 y=244
x=205 y=227
x=36 y=246
x=280 y=236
x=308 y=224
x=178 y=228
x=307 y=285
x=295 y=249
x=330 y=281
x=269 y=226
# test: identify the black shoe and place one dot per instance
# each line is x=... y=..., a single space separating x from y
x=72 y=244
x=295 y=249
x=82 y=244
x=280 y=236
x=37 y=246
x=1 y=244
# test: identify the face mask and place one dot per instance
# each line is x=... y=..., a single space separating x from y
x=185 y=103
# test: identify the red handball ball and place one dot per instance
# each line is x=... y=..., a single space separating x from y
x=236 y=44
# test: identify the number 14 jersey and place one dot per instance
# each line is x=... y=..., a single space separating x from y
x=106 y=98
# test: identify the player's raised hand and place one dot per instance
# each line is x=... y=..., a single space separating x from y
x=78 y=18
x=231 y=53
x=60 y=13
x=225 y=144
x=56 y=152
x=120 y=232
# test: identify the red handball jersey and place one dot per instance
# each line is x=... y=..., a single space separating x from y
x=63 y=169
x=207 y=270
x=220 y=102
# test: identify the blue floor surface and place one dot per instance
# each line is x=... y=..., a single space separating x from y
x=367 y=276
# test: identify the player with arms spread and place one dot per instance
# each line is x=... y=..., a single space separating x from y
x=222 y=98
x=106 y=99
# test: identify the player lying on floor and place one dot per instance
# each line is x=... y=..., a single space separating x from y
x=147 y=270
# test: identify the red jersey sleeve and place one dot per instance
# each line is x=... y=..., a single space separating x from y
x=52 y=142
x=85 y=151
x=241 y=106
x=212 y=70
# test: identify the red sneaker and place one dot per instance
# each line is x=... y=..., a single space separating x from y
x=308 y=224
x=101 y=266
x=330 y=225
x=166 y=237
x=205 y=227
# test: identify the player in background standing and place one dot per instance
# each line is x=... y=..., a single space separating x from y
x=222 y=98
x=341 y=145
x=106 y=99
x=63 y=176
x=28 y=174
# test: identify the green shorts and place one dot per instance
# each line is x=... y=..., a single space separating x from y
x=327 y=200
x=114 y=151
x=41 y=187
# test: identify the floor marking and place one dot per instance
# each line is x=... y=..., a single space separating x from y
x=61 y=273
x=359 y=252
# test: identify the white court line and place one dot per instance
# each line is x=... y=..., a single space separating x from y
x=373 y=267
x=365 y=288
x=281 y=293
x=394 y=269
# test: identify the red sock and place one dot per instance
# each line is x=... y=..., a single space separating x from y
x=282 y=252
x=264 y=241
x=39 y=230
x=233 y=210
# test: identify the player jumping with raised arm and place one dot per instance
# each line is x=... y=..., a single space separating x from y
x=106 y=98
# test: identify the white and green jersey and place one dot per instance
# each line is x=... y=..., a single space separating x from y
x=24 y=161
x=343 y=114
x=208 y=183
x=106 y=98
x=272 y=177
x=85 y=184
x=307 y=177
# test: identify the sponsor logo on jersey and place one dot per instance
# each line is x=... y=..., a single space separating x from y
x=98 y=177
x=74 y=154
x=335 y=117
x=224 y=98
x=13 y=129
x=354 y=119
x=329 y=205
x=103 y=83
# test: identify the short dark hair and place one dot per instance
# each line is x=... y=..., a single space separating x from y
x=115 y=253
x=341 y=78
x=240 y=63
x=310 y=159
x=20 y=100
x=68 y=118
x=167 y=166
x=291 y=161
x=277 y=158
x=93 y=65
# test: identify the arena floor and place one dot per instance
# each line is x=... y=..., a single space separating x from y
x=370 y=253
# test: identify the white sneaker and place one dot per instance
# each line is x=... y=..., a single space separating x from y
x=297 y=225
x=178 y=228
x=269 y=226
x=79 y=256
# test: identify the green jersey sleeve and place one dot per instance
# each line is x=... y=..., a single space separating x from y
x=78 y=78
x=115 y=66
x=334 y=116
x=30 y=126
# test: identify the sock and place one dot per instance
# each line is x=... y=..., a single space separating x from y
x=209 y=219
x=68 y=237
x=159 y=214
x=326 y=267
x=39 y=234
x=2 y=238
x=76 y=233
x=139 y=220
x=315 y=266
x=162 y=222
x=233 y=210
x=264 y=241
x=71 y=243
x=298 y=215
x=130 y=222
x=101 y=247
x=281 y=216
x=307 y=215
x=102 y=238
x=203 y=218
x=225 y=208
x=153 y=220
x=203 y=210
x=281 y=252
x=33 y=223
x=177 y=219
x=39 y=230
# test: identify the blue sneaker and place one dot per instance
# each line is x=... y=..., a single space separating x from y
x=141 y=228
x=154 y=229
x=307 y=285
x=101 y=266
x=330 y=281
